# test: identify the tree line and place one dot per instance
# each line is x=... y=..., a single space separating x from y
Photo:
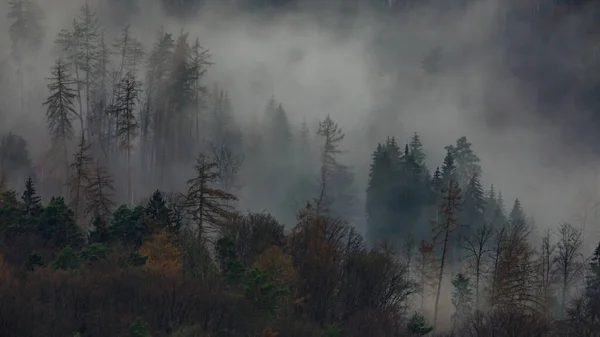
x=100 y=258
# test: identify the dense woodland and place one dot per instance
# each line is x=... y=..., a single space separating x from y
x=130 y=224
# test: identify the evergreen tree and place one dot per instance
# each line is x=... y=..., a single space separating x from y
x=32 y=203
x=80 y=175
x=461 y=299
x=159 y=213
x=99 y=193
x=86 y=34
x=592 y=291
x=57 y=225
x=207 y=204
x=467 y=163
x=416 y=149
x=126 y=98
x=474 y=203
x=448 y=169
x=517 y=214
x=61 y=109
x=26 y=31
x=380 y=219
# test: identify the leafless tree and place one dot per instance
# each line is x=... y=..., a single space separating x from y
x=228 y=165
x=547 y=266
x=477 y=248
x=568 y=260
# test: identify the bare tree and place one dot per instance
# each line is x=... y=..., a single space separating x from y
x=516 y=285
x=228 y=165
x=476 y=246
x=547 y=266
x=568 y=259
x=427 y=268
x=443 y=231
x=99 y=192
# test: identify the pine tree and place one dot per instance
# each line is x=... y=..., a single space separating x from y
x=517 y=214
x=159 y=213
x=335 y=191
x=26 y=31
x=60 y=109
x=467 y=163
x=57 y=225
x=126 y=98
x=379 y=218
x=99 y=193
x=207 y=204
x=448 y=169
x=416 y=149
x=592 y=291
x=80 y=175
x=200 y=61
x=473 y=208
x=87 y=35
x=31 y=206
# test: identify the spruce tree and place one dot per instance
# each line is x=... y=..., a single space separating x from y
x=126 y=98
x=466 y=161
x=517 y=214
x=448 y=169
x=60 y=111
x=32 y=203
x=416 y=148
x=87 y=37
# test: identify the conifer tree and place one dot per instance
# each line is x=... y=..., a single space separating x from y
x=448 y=169
x=32 y=203
x=416 y=149
x=200 y=61
x=26 y=31
x=592 y=292
x=472 y=213
x=130 y=52
x=99 y=193
x=158 y=212
x=87 y=37
x=61 y=109
x=517 y=214
x=207 y=204
x=336 y=182
x=80 y=175
x=466 y=161
x=126 y=98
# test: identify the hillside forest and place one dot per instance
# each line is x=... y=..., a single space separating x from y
x=144 y=206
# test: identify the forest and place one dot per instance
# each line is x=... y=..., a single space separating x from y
x=140 y=196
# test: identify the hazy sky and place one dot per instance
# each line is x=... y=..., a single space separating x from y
x=373 y=90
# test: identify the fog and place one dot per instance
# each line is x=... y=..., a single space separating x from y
x=374 y=77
